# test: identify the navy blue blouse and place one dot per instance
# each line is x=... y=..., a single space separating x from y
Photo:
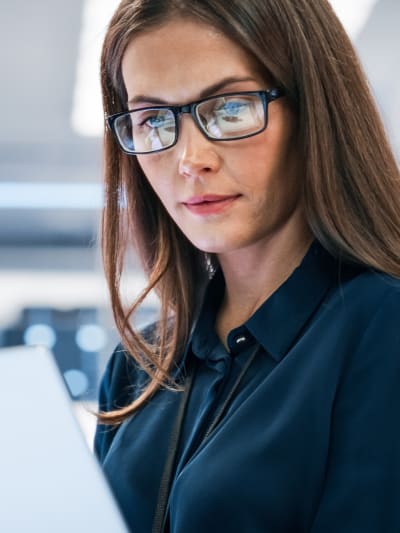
x=310 y=441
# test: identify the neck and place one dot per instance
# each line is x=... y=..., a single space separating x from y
x=253 y=274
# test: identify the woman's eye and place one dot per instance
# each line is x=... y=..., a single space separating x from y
x=231 y=111
x=152 y=121
x=234 y=108
x=158 y=121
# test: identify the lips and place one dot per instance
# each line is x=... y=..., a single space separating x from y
x=209 y=204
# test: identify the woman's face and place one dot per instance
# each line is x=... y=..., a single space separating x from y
x=224 y=196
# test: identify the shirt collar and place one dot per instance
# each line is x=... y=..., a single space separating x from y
x=204 y=338
x=280 y=319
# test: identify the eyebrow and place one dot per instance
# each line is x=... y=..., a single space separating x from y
x=208 y=91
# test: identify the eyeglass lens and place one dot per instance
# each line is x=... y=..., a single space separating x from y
x=231 y=116
x=222 y=118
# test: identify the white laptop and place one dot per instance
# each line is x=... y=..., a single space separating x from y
x=49 y=480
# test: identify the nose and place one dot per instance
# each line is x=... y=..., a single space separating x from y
x=198 y=155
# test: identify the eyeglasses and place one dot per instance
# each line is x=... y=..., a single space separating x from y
x=226 y=117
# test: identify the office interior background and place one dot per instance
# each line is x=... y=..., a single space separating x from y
x=52 y=289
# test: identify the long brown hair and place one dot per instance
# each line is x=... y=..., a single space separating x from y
x=351 y=185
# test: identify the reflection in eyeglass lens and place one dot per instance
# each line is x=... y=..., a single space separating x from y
x=231 y=116
x=153 y=129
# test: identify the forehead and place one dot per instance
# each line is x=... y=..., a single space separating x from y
x=178 y=59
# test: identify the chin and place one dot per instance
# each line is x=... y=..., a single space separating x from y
x=207 y=246
x=214 y=247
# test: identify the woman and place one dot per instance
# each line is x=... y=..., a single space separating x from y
x=246 y=162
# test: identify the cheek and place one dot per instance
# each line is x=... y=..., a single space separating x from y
x=270 y=175
x=151 y=166
x=262 y=166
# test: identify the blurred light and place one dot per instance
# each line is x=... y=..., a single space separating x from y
x=42 y=195
x=62 y=290
x=42 y=334
x=91 y=338
x=77 y=382
x=87 y=114
x=353 y=14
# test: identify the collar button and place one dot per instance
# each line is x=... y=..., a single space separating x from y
x=240 y=339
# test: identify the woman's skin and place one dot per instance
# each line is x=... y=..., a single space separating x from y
x=257 y=228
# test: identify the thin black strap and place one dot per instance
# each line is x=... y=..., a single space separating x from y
x=161 y=515
x=163 y=493
x=221 y=411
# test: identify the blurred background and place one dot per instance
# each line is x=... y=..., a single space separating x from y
x=52 y=289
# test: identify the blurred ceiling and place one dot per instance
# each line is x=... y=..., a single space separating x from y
x=38 y=61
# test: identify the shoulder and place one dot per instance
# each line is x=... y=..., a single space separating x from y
x=122 y=382
x=371 y=282
x=123 y=378
x=368 y=309
x=361 y=317
x=366 y=294
x=381 y=299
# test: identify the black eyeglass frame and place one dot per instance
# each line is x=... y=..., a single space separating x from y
x=266 y=96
